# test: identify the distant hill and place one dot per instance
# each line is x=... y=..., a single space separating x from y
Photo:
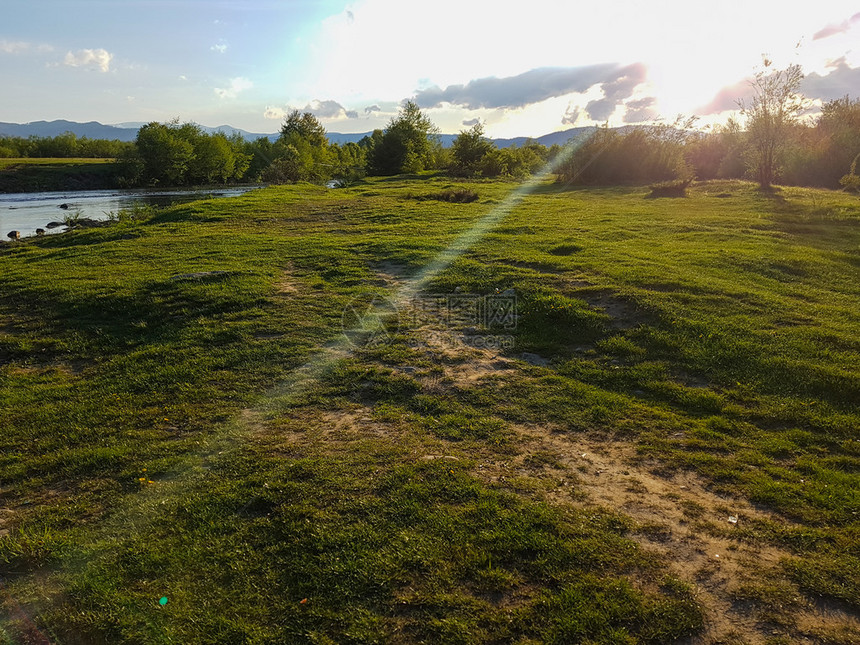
x=91 y=130
x=128 y=132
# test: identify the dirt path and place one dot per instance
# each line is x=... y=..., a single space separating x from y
x=676 y=515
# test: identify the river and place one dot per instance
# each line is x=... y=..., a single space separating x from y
x=25 y=212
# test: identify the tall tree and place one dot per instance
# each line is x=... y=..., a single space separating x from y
x=305 y=127
x=774 y=109
x=468 y=151
x=166 y=156
x=302 y=152
x=406 y=144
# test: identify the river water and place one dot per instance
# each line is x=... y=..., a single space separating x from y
x=25 y=212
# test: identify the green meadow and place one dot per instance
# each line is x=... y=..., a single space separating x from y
x=664 y=448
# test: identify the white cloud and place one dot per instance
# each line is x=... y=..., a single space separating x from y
x=97 y=58
x=275 y=113
x=19 y=47
x=220 y=48
x=9 y=47
x=237 y=85
x=327 y=110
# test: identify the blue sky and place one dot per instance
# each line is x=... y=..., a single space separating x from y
x=522 y=68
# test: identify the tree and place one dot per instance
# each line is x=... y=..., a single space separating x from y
x=406 y=144
x=165 y=156
x=302 y=151
x=839 y=125
x=468 y=151
x=773 y=110
x=305 y=127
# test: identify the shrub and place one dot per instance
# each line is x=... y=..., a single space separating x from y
x=676 y=188
x=458 y=196
x=851 y=181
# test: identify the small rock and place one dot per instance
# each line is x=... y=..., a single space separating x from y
x=14 y=235
x=508 y=292
x=535 y=359
x=40 y=231
x=65 y=207
x=458 y=289
x=733 y=519
x=53 y=224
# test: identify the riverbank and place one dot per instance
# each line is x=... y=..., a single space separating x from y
x=38 y=175
x=26 y=212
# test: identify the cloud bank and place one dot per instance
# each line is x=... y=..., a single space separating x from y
x=619 y=87
x=535 y=86
x=843 y=80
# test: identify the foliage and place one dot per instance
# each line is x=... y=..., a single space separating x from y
x=66 y=145
x=405 y=146
x=851 y=181
x=261 y=153
x=674 y=188
x=514 y=162
x=717 y=154
x=774 y=108
x=350 y=161
x=170 y=154
x=302 y=152
x=636 y=155
x=468 y=151
x=454 y=195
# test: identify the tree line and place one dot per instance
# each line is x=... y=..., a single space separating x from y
x=177 y=154
x=774 y=144
x=64 y=145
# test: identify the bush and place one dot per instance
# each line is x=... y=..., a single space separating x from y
x=639 y=155
x=676 y=188
x=458 y=196
x=851 y=181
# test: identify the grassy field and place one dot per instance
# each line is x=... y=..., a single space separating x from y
x=29 y=174
x=658 y=441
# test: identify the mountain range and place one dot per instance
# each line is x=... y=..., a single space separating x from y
x=128 y=132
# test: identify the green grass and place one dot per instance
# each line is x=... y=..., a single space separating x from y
x=147 y=448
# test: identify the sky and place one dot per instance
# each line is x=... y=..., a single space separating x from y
x=520 y=68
